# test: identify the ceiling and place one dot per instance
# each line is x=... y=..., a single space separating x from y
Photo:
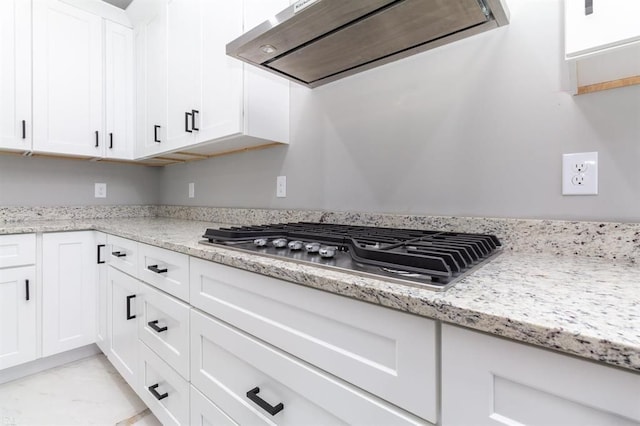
x=122 y=4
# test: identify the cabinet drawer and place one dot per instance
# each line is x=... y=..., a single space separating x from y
x=227 y=364
x=163 y=324
x=164 y=269
x=169 y=400
x=123 y=254
x=388 y=353
x=17 y=250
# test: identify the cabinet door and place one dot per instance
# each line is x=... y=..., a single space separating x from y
x=151 y=74
x=67 y=80
x=17 y=316
x=184 y=46
x=221 y=92
x=15 y=74
x=492 y=381
x=102 y=335
x=119 y=137
x=123 y=331
x=68 y=291
x=612 y=23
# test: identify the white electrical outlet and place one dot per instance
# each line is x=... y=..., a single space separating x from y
x=100 y=190
x=192 y=189
x=281 y=186
x=580 y=173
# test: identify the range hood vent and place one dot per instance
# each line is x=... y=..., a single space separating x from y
x=314 y=42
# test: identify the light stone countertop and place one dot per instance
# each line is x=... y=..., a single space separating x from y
x=582 y=306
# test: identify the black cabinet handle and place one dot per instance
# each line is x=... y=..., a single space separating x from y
x=100 y=254
x=154 y=325
x=588 y=7
x=26 y=288
x=155 y=133
x=110 y=140
x=157 y=270
x=24 y=129
x=118 y=254
x=97 y=141
x=194 y=112
x=186 y=121
x=155 y=393
x=253 y=396
x=129 y=316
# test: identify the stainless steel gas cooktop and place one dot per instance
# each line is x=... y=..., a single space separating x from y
x=429 y=259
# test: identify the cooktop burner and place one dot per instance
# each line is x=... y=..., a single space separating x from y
x=431 y=259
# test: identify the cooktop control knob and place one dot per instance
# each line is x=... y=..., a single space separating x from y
x=327 y=251
x=295 y=245
x=260 y=242
x=312 y=247
x=279 y=242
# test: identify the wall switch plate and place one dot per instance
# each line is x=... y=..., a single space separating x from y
x=192 y=189
x=281 y=186
x=100 y=190
x=580 y=173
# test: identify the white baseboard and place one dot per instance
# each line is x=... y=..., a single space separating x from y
x=42 y=364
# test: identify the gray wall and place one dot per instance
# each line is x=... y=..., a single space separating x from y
x=26 y=181
x=476 y=128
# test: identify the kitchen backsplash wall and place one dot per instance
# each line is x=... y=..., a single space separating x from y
x=28 y=181
x=474 y=128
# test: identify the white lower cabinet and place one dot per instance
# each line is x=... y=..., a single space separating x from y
x=122 y=319
x=164 y=391
x=17 y=315
x=69 y=278
x=385 y=352
x=492 y=381
x=255 y=383
x=102 y=328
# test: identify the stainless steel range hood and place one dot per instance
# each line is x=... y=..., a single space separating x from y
x=314 y=42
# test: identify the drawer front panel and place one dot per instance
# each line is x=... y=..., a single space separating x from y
x=168 y=333
x=17 y=250
x=226 y=364
x=164 y=269
x=123 y=254
x=388 y=353
x=172 y=409
x=206 y=413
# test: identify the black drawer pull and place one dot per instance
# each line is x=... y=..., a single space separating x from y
x=26 y=287
x=186 y=121
x=97 y=139
x=110 y=140
x=155 y=393
x=157 y=270
x=253 y=396
x=193 y=119
x=155 y=133
x=24 y=129
x=100 y=254
x=154 y=325
x=118 y=254
x=129 y=316
x=588 y=7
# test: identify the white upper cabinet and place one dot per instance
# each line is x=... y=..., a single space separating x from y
x=119 y=92
x=602 y=43
x=67 y=80
x=211 y=103
x=15 y=75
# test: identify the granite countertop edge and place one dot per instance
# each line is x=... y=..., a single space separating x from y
x=463 y=305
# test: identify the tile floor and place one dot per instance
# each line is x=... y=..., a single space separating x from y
x=85 y=392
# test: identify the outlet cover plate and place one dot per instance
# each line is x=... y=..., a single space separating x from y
x=100 y=190
x=580 y=173
x=281 y=186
